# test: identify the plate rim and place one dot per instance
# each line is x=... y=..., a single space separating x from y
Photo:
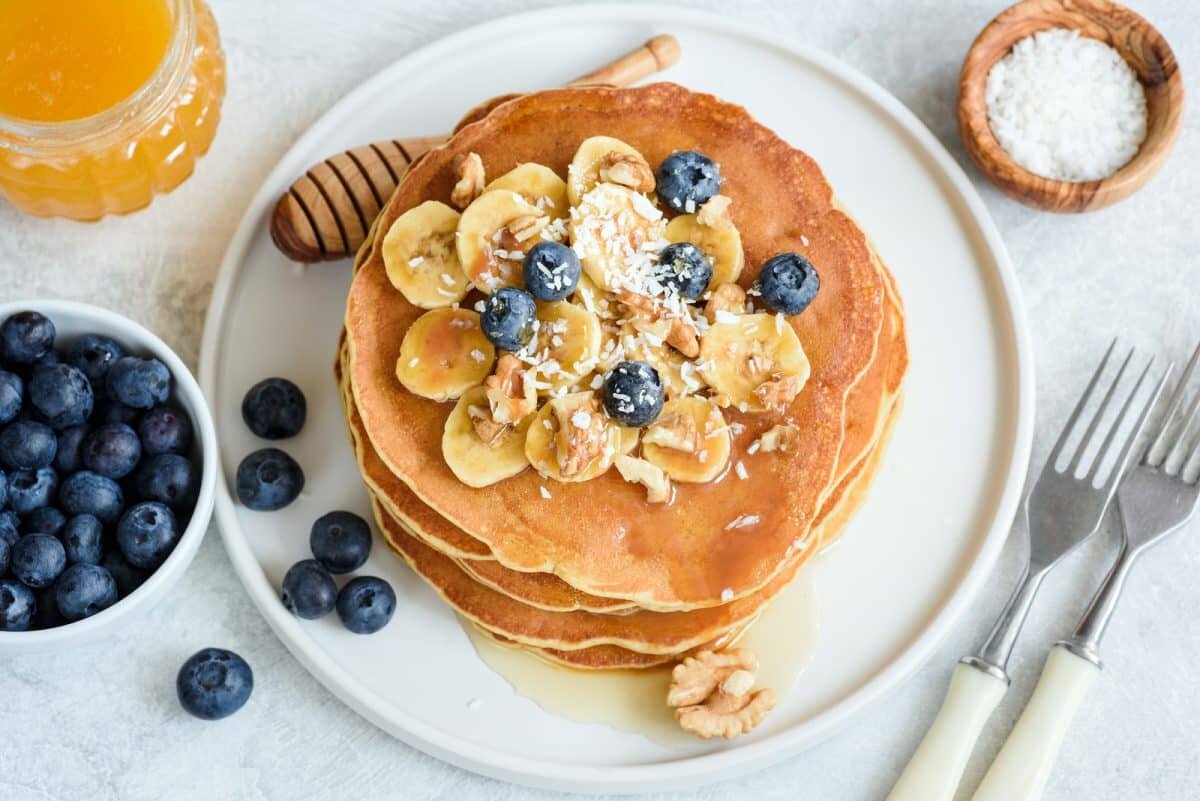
x=688 y=771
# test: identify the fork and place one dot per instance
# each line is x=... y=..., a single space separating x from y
x=1158 y=497
x=1064 y=508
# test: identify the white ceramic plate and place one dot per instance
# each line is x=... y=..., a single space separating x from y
x=915 y=554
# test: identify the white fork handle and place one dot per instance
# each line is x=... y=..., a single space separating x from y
x=937 y=765
x=1024 y=763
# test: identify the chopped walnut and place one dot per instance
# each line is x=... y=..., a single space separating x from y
x=779 y=438
x=639 y=471
x=627 y=169
x=650 y=317
x=713 y=694
x=510 y=390
x=470 y=180
x=675 y=431
x=581 y=433
x=715 y=212
x=778 y=391
x=728 y=298
x=486 y=428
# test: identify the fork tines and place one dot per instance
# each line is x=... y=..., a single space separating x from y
x=1173 y=456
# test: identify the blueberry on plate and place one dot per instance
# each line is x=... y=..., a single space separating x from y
x=165 y=429
x=111 y=411
x=5 y=553
x=10 y=527
x=686 y=180
x=70 y=445
x=90 y=493
x=31 y=489
x=341 y=541
x=93 y=355
x=788 y=283
x=268 y=479
x=140 y=383
x=83 y=540
x=274 y=408
x=112 y=450
x=37 y=560
x=146 y=533
x=17 y=605
x=128 y=577
x=214 y=683
x=366 y=604
x=61 y=394
x=684 y=268
x=167 y=478
x=633 y=394
x=309 y=592
x=552 y=271
x=83 y=590
x=46 y=520
x=508 y=317
x=27 y=445
x=26 y=337
x=12 y=395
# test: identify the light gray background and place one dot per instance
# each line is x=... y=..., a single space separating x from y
x=103 y=723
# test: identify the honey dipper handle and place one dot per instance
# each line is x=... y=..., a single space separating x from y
x=326 y=213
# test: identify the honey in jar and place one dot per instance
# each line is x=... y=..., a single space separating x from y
x=104 y=103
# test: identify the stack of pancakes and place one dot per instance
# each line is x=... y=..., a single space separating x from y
x=594 y=576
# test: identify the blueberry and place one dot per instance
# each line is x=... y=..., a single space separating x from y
x=93 y=355
x=165 y=429
x=12 y=393
x=309 y=592
x=128 y=577
x=17 y=606
x=83 y=540
x=5 y=551
x=61 y=394
x=140 y=383
x=27 y=445
x=274 y=408
x=3 y=489
x=147 y=533
x=214 y=683
x=83 y=590
x=31 y=489
x=37 y=560
x=111 y=411
x=633 y=394
x=46 y=520
x=508 y=318
x=687 y=179
x=67 y=458
x=341 y=541
x=26 y=337
x=366 y=604
x=684 y=268
x=788 y=283
x=167 y=478
x=269 y=479
x=112 y=450
x=551 y=271
x=10 y=527
x=90 y=493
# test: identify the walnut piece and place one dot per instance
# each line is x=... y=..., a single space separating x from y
x=470 y=180
x=778 y=391
x=715 y=212
x=486 y=428
x=639 y=471
x=581 y=433
x=510 y=390
x=713 y=694
x=651 y=317
x=675 y=431
x=728 y=298
x=779 y=438
x=628 y=170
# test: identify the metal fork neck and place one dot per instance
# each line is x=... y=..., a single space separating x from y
x=1085 y=642
x=997 y=648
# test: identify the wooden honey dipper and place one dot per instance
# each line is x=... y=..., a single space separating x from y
x=326 y=214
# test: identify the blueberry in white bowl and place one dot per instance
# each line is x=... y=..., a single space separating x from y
x=27 y=445
x=17 y=605
x=169 y=479
x=83 y=590
x=83 y=540
x=146 y=533
x=138 y=383
x=365 y=605
x=93 y=355
x=341 y=541
x=165 y=429
x=47 y=520
x=61 y=395
x=113 y=450
x=274 y=408
x=214 y=683
x=12 y=393
x=26 y=337
x=85 y=492
x=29 y=490
x=686 y=180
x=269 y=479
x=37 y=560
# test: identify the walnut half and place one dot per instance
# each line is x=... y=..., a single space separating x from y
x=628 y=170
x=713 y=694
x=470 y=180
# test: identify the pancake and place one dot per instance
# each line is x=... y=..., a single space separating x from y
x=616 y=547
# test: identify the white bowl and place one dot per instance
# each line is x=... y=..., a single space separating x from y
x=72 y=320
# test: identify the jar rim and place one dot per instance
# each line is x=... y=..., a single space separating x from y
x=32 y=136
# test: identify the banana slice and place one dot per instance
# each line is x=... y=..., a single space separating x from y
x=444 y=353
x=742 y=357
x=598 y=301
x=570 y=440
x=475 y=462
x=567 y=346
x=493 y=234
x=721 y=242
x=616 y=232
x=421 y=259
x=679 y=376
x=538 y=185
x=584 y=172
x=689 y=441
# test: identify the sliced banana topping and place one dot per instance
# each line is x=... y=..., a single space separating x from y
x=567 y=346
x=479 y=450
x=712 y=230
x=754 y=362
x=537 y=185
x=639 y=471
x=494 y=233
x=617 y=234
x=444 y=353
x=690 y=441
x=593 y=154
x=421 y=259
x=571 y=440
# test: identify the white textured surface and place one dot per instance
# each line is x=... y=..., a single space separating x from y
x=103 y=723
